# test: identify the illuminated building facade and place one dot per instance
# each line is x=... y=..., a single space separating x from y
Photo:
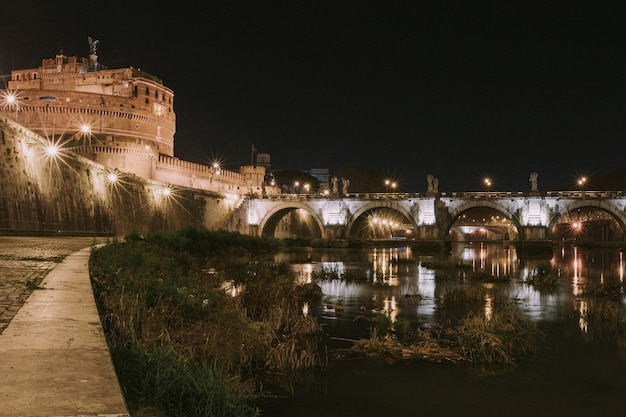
x=122 y=118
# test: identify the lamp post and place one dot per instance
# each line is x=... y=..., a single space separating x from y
x=391 y=185
x=581 y=183
x=487 y=183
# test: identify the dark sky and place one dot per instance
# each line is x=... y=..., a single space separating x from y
x=457 y=89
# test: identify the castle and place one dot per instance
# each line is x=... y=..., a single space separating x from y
x=122 y=118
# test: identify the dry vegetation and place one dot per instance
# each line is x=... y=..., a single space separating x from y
x=189 y=315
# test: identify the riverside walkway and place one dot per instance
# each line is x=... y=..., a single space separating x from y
x=54 y=360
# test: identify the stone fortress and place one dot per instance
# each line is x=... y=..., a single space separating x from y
x=123 y=119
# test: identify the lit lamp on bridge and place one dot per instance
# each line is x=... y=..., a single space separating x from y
x=581 y=184
x=487 y=183
x=391 y=185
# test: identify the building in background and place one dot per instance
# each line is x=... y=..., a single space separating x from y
x=122 y=118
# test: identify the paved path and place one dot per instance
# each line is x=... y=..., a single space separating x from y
x=54 y=360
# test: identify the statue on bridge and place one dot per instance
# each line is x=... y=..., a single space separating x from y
x=533 y=182
x=334 y=189
x=345 y=183
x=433 y=184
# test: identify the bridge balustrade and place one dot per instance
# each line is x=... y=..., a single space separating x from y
x=585 y=194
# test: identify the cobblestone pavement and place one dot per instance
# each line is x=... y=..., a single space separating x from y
x=25 y=261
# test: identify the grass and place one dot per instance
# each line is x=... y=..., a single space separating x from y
x=182 y=344
x=544 y=278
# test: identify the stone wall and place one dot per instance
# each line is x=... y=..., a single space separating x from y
x=71 y=195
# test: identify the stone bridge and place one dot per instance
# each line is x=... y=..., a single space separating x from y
x=429 y=217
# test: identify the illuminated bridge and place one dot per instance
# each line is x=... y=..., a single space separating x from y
x=533 y=216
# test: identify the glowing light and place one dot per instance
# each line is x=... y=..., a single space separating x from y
x=85 y=128
x=582 y=181
x=166 y=191
x=11 y=99
x=112 y=177
x=52 y=150
x=391 y=184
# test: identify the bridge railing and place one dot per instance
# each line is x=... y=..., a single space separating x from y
x=585 y=194
x=468 y=195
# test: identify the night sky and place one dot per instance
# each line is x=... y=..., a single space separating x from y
x=459 y=90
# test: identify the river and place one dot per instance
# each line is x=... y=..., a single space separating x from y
x=580 y=371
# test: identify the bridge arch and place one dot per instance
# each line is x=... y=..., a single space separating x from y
x=269 y=223
x=573 y=205
x=477 y=204
x=356 y=219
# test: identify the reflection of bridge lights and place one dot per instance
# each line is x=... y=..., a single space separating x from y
x=583 y=311
x=488 y=307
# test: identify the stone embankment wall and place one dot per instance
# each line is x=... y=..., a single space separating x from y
x=70 y=195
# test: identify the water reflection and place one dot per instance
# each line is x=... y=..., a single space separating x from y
x=404 y=284
x=583 y=371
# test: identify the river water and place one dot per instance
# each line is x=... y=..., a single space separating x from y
x=580 y=371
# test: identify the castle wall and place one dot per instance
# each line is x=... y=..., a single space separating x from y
x=69 y=194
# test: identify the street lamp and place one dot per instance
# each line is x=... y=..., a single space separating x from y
x=391 y=185
x=581 y=183
x=487 y=183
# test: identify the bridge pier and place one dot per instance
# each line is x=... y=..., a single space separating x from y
x=428 y=233
x=535 y=233
x=335 y=231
